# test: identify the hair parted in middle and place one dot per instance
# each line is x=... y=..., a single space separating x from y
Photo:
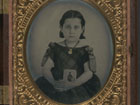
x=72 y=14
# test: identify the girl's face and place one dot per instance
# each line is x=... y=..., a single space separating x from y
x=72 y=29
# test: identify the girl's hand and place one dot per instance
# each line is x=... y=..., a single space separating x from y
x=64 y=85
x=59 y=84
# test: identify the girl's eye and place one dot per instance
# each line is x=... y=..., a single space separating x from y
x=76 y=27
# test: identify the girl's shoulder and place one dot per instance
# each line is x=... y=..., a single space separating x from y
x=52 y=45
x=61 y=43
x=83 y=43
x=86 y=45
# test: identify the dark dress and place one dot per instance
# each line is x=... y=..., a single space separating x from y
x=62 y=60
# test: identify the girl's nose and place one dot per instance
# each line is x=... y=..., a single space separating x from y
x=72 y=30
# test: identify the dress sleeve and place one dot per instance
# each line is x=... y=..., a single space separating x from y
x=91 y=59
x=49 y=53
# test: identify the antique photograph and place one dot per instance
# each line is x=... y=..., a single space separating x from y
x=69 y=51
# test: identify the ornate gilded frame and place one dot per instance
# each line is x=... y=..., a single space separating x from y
x=115 y=90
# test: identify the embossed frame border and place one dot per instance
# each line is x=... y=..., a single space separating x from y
x=116 y=87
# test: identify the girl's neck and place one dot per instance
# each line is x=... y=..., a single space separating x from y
x=71 y=43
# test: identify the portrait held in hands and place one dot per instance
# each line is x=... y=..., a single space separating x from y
x=66 y=69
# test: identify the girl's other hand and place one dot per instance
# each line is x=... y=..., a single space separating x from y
x=62 y=85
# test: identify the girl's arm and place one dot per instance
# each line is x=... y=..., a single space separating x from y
x=46 y=70
x=81 y=80
x=85 y=76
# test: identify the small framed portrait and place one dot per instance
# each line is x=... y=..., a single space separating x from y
x=69 y=52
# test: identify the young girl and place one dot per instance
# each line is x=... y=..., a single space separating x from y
x=69 y=66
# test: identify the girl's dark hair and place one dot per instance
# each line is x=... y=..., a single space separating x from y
x=72 y=14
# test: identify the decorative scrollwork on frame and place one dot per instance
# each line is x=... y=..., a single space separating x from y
x=113 y=93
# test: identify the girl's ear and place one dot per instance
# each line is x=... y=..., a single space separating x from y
x=61 y=28
x=83 y=28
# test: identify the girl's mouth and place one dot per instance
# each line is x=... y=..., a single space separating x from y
x=71 y=36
